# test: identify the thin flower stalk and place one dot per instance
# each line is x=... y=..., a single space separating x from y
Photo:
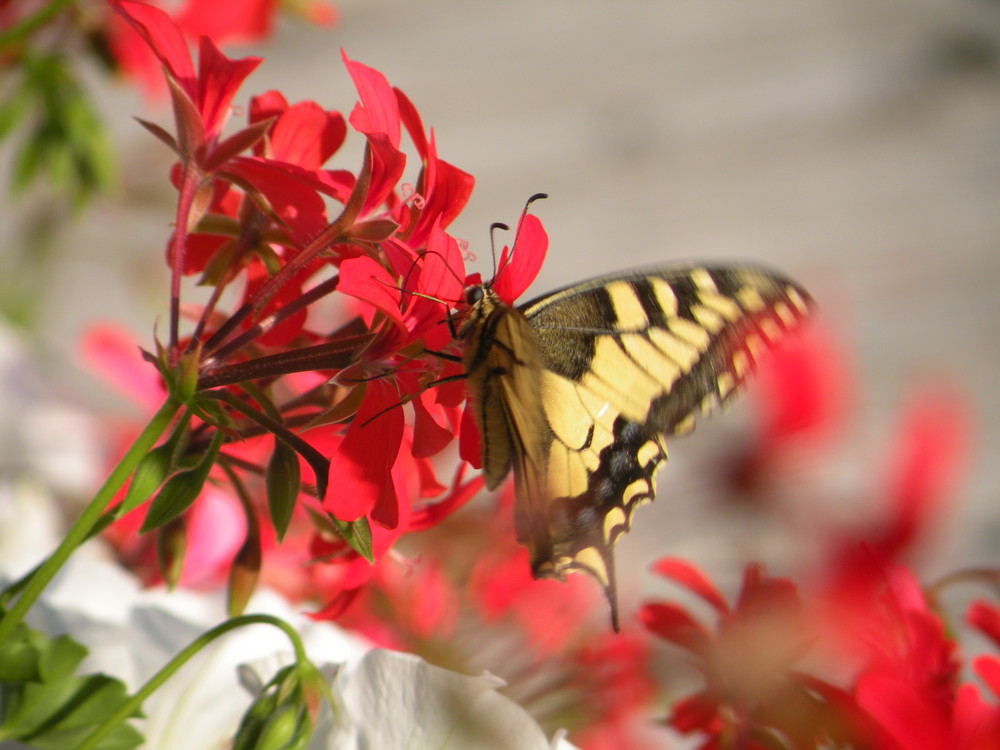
x=89 y=516
x=135 y=701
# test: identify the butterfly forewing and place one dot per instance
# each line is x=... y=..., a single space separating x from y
x=576 y=389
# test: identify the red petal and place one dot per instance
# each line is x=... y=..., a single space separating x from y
x=672 y=623
x=698 y=712
x=386 y=510
x=530 y=245
x=434 y=513
x=387 y=164
x=929 y=452
x=378 y=110
x=988 y=669
x=164 y=38
x=429 y=437
x=429 y=484
x=338 y=605
x=369 y=282
x=445 y=190
x=762 y=593
x=802 y=390
x=411 y=121
x=985 y=617
x=975 y=723
x=270 y=104
x=135 y=57
x=112 y=354
x=360 y=471
x=239 y=21
x=291 y=192
x=908 y=717
x=688 y=576
x=219 y=78
x=307 y=135
x=439 y=278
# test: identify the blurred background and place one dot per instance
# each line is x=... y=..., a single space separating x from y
x=854 y=144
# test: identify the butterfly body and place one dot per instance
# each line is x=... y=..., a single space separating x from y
x=574 y=392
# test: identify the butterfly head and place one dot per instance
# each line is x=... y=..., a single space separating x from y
x=480 y=301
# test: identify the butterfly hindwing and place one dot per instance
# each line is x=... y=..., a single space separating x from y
x=576 y=389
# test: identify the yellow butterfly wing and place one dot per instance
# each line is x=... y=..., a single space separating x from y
x=575 y=391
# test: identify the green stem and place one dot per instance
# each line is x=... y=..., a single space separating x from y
x=27 y=25
x=90 y=515
x=134 y=703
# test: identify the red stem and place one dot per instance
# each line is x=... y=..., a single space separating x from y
x=190 y=179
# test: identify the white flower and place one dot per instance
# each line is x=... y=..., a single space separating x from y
x=383 y=699
x=395 y=700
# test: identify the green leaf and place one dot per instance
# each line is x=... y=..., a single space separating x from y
x=149 y=475
x=61 y=715
x=66 y=142
x=12 y=110
x=283 y=482
x=18 y=661
x=358 y=534
x=182 y=489
x=49 y=707
x=61 y=659
x=319 y=464
x=187 y=382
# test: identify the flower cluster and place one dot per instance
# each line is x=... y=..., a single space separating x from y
x=790 y=667
x=333 y=419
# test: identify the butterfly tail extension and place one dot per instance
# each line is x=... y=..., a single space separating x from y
x=556 y=539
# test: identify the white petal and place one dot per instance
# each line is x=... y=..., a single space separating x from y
x=398 y=700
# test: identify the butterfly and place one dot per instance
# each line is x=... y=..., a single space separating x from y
x=575 y=391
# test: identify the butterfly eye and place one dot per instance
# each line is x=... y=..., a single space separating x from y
x=473 y=294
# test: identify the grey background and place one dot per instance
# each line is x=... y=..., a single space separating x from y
x=853 y=143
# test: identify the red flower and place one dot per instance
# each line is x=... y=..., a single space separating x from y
x=252 y=212
x=911 y=688
x=749 y=661
x=243 y=21
x=371 y=445
x=802 y=396
x=208 y=91
x=237 y=21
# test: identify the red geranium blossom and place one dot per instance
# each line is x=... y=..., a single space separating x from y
x=236 y=21
x=326 y=399
x=911 y=688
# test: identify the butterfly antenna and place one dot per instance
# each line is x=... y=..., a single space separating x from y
x=493 y=243
x=447 y=265
x=402 y=286
x=517 y=231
